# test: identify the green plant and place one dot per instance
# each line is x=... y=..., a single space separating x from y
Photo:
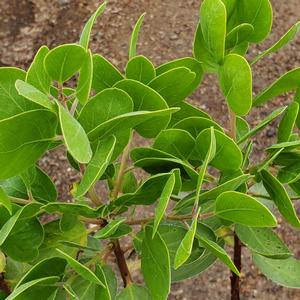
x=199 y=176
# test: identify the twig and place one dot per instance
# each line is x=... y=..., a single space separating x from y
x=237 y=255
x=125 y=274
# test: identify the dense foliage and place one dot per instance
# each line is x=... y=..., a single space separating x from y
x=200 y=188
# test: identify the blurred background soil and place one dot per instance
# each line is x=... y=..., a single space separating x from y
x=167 y=34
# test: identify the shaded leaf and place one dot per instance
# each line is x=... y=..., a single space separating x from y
x=155 y=259
x=238 y=35
x=284 y=272
x=105 y=75
x=80 y=268
x=287 y=123
x=258 y=13
x=146 y=99
x=228 y=155
x=280 y=197
x=263 y=241
x=109 y=229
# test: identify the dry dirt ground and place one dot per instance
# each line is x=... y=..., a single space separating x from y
x=167 y=33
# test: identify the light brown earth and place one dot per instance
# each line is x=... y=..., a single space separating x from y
x=167 y=33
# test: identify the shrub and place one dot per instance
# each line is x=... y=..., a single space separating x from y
x=201 y=189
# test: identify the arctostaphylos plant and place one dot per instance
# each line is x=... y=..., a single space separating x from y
x=199 y=192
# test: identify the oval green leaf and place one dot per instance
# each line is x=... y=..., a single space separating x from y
x=243 y=209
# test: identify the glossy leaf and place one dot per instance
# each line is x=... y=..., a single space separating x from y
x=97 y=165
x=213 y=25
x=36 y=74
x=236 y=83
x=258 y=13
x=141 y=69
x=263 y=241
x=62 y=62
x=163 y=202
x=134 y=36
x=243 y=209
x=31 y=93
x=284 y=272
x=288 y=82
x=174 y=85
x=283 y=41
x=228 y=155
x=86 y=32
x=85 y=79
x=80 y=268
x=75 y=137
x=185 y=248
x=155 y=259
x=280 y=197
x=287 y=123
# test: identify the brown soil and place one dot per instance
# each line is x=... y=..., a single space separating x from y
x=167 y=34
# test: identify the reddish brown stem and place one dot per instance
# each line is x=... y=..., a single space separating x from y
x=3 y=285
x=125 y=274
x=235 y=280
